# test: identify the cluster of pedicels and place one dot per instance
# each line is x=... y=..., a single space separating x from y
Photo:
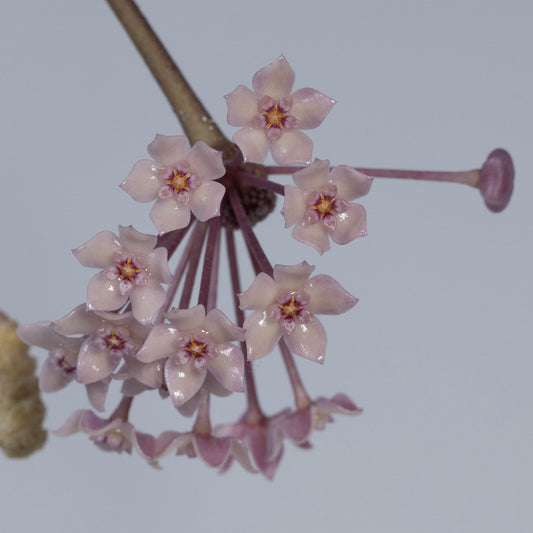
x=138 y=326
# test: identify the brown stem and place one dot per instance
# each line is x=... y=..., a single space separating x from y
x=194 y=118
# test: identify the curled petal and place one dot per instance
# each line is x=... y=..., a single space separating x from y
x=228 y=367
x=274 y=80
x=292 y=148
x=187 y=319
x=160 y=343
x=146 y=301
x=314 y=235
x=261 y=334
x=242 y=106
x=213 y=451
x=327 y=296
x=104 y=295
x=53 y=377
x=310 y=107
x=97 y=392
x=351 y=224
x=205 y=162
x=292 y=277
x=167 y=215
x=294 y=206
x=313 y=177
x=221 y=328
x=158 y=265
x=205 y=201
x=98 y=251
x=261 y=293
x=93 y=364
x=254 y=144
x=308 y=340
x=169 y=150
x=136 y=242
x=183 y=381
x=141 y=183
x=351 y=184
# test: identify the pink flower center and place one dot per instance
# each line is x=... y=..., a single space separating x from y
x=128 y=270
x=111 y=441
x=177 y=183
x=274 y=116
x=116 y=340
x=60 y=358
x=197 y=349
x=324 y=206
x=291 y=309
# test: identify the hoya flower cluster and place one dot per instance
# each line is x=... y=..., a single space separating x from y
x=140 y=327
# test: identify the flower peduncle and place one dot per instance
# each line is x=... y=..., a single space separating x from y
x=194 y=118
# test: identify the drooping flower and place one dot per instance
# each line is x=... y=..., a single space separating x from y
x=319 y=206
x=132 y=269
x=109 y=338
x=118 y=435
x=180 y=179
x=299 y=425
x=271 y=117
x=286 y=305
x=192 y=344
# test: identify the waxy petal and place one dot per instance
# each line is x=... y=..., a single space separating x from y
x=160 y=343
x=327 y=296
x=310 y=107
x=308 y=340
x=157 y=264
x=351 y=184
x=228 y=367
x=187 y=319
x=149 y=374
x=262 y=292
x=212 y=450
x=350 y=225
x=167 y=215
x=53 y=377
x=93 y=364
x=98 y=251
x=274 y=80
x=294 y=206
x=261 y=334
x=205 y=201
x=313 y=235
x=135 y=242
x=205 y=162
x=104 y=295
x=221 y=328
x=292 y=148
x=292 y=277
x=146 y=301
x=97 y=392
x=80 y=321
x=183 y=381
x=141 y=183
x=254 y=144
x=169 y=151
x=314 y=177
x=242 y=106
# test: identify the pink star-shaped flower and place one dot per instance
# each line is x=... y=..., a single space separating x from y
x=286 y=305
x=192 y=344
x=180 y=180
x=319 y=206
x=271 y=117
x=132 y=269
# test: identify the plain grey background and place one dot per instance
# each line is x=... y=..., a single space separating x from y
x=437 y=352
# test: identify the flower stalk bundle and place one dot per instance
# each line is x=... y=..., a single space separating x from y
x=140 y=326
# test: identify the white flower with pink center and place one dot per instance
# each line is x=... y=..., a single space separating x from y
x=131 y=269
x=180 y=180
x=286 y=305
x=192 y=344
x=271 y=117
x=320 y=207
